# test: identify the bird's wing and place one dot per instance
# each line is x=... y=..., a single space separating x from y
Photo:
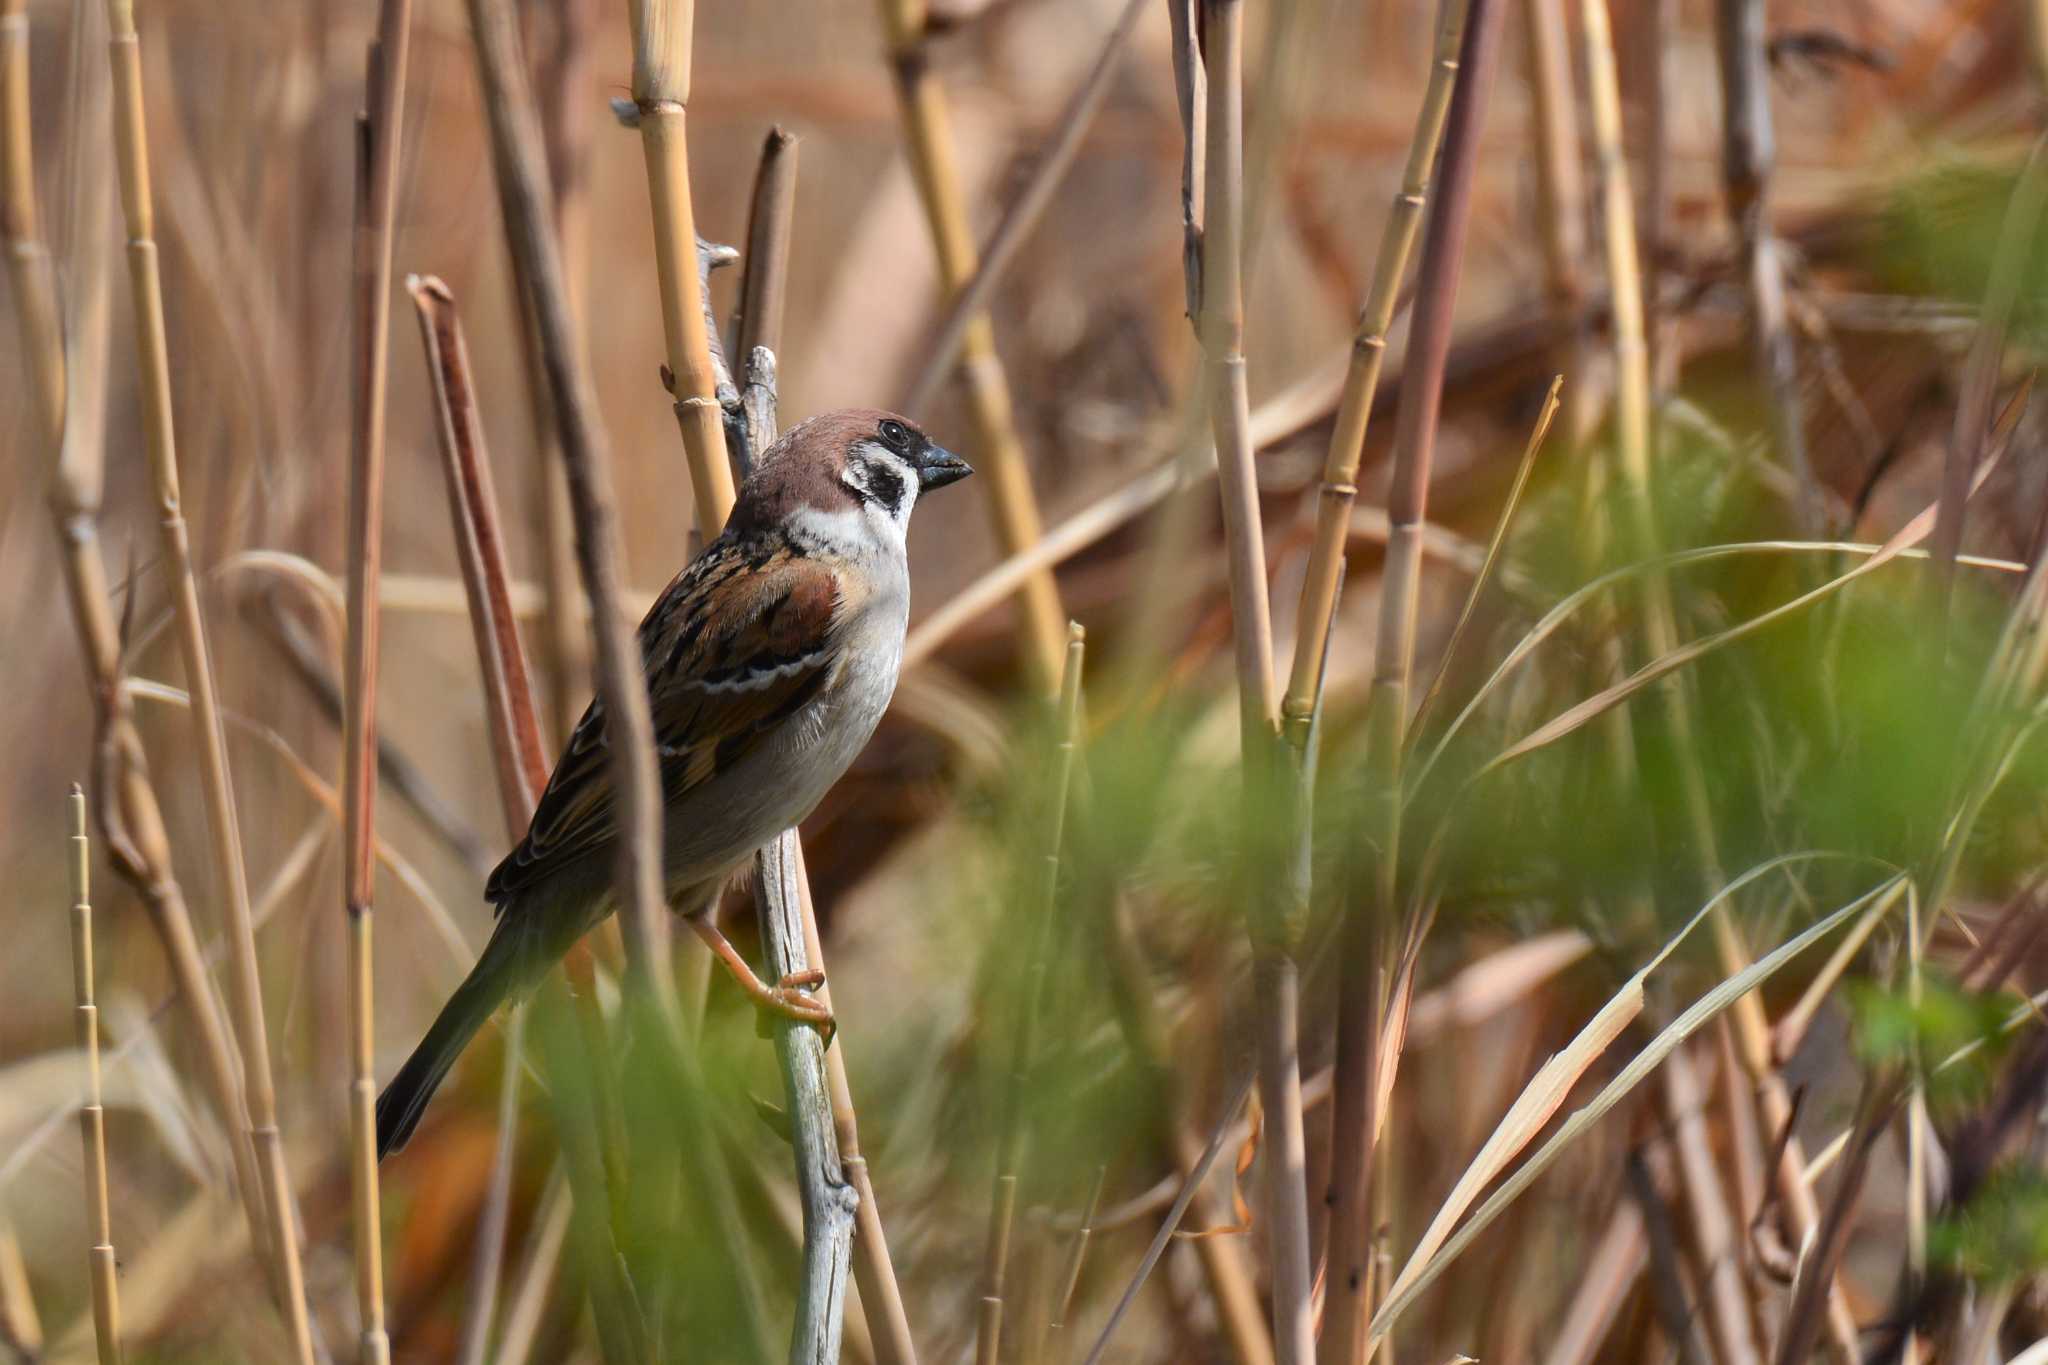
x=736 y=644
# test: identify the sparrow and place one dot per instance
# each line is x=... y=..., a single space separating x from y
x=768 y=663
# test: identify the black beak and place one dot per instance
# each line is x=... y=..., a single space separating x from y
x=938 y=466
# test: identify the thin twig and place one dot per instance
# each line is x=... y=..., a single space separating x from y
x=379 y=133
x=92 y=1115
x=153 y=362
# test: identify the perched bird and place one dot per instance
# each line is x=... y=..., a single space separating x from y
x=768 y=662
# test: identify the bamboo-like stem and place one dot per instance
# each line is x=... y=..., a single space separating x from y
x=1339 y=489
x=1366 y=1049
x=1656 y=631
x=1013 y=507
x=513 y=725
x=1273 y=921
x=1010 y=1139
x=380 y=131
x=1049 y=168
x=661 y=97
x=92 y=1115
x=516 y=148
x=1748 y=157
x=153 y=363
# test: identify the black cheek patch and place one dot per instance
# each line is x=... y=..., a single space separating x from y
x=885 y=485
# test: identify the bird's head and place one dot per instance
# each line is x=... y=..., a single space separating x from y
x=857 y=464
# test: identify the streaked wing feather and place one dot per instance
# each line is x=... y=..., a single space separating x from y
x=739 y=641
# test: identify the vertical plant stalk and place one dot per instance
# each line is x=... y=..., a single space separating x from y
x=514 y=728
x=125 y=802
x=831 y=1202
x=1010 y=1139
x=661 y=97
x=1013 y=506
x=379 y=134
x=1366 y=1047
x=1657 y=634
x=757 y=332
x=1273 y=926
x=1049 y=168
x=1716 y=1239
x=516 y=149
x=1339 y=488
x=565 y=81
x=829 y=1199
x=1748 y=157
x=92 y=1115
x=1191 y=94
x=153 y=365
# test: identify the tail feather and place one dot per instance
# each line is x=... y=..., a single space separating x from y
x=405 y=1099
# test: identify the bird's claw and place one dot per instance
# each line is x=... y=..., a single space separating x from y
x=789 y=999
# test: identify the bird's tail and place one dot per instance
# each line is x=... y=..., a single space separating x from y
x=496 y=975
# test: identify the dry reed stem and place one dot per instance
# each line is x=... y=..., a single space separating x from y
x=380 y=132
x=784 y=881
x=1191 y=94
x=789 y=933
x=1538 y=1102
x=514 y=728
x=1276 y=977
x=661 y=97
x=1657 y=633
x=1367 y=1048
x=516 y=749
x=1013 y=507
x=92 y=1115
x=1339 y=489
x=1714 y=1228
x=881 y=1297
x=1049 y=168
x=564 y=82
x=517 y=151
x=1748 y=158
x=1010 y=1138
x=153 y=363
x=125 y=802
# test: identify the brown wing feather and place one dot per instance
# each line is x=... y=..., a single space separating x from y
x=740 y=640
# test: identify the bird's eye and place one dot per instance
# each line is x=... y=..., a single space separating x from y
x=895 y=433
